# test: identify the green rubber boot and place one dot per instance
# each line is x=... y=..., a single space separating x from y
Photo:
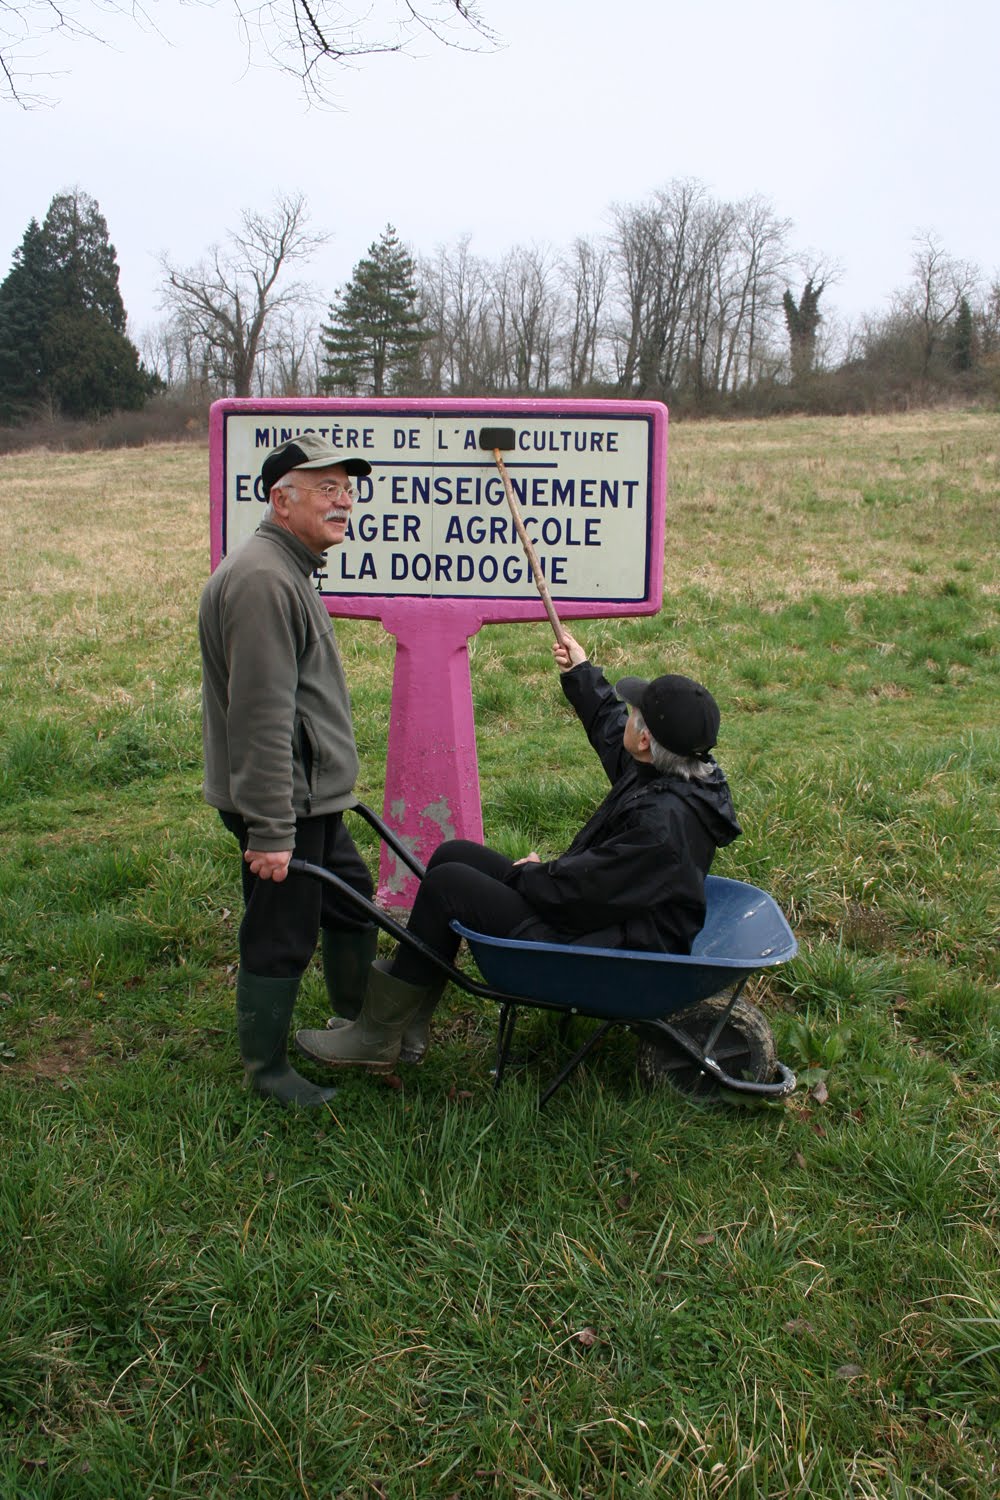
x=373 y=1040
x=263 y=1014
x=347 y=957
x=416 y=1034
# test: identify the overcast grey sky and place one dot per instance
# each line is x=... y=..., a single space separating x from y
x=863 y=121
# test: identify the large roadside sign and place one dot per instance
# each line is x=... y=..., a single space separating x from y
x=433 y=553
x=431 y=521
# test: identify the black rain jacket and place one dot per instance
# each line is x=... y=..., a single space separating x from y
x=634 y=876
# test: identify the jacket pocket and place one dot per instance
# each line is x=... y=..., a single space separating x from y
x=309 y=756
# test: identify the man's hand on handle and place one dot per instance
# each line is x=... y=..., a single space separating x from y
x=269 y=864
x=568 y=652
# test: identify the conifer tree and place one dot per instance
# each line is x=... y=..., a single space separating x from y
x=63 y=344
x=373 y=339
x=26 y=302
x=963 y=338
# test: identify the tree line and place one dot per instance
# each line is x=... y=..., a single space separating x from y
x=702 y=303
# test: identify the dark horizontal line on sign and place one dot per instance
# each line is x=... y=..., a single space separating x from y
x=434 y=463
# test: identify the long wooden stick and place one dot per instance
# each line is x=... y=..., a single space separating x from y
x=529 y=550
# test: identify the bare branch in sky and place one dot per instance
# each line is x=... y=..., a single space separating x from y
x=309 y=39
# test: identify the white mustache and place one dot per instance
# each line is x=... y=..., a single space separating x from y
x=336 y=515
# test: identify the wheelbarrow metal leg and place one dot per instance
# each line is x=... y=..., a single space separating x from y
x=575 y=1061
x=505 y=1035
x=716 y=1031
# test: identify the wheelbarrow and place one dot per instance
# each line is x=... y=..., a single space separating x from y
x=695 y=1030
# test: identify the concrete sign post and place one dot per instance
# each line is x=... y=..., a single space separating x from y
x=432 y=552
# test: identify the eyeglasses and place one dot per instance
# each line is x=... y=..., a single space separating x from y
x=328 y=491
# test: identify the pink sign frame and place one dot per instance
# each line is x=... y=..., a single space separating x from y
x=432 y=773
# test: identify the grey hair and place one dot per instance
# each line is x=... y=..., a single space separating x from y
x=689 y=767
x=286 y=482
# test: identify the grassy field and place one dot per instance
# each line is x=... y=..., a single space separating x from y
x=430 y=1290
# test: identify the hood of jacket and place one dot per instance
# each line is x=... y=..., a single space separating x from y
x=709 y=800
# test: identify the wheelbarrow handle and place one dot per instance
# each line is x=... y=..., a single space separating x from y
x=390 y=837
x=396 y=929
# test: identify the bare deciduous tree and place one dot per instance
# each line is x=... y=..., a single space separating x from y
x=491 y=327
x=764 y=255
x=290 y=362
x=228 y=302
x=162 y=353
x=987 y=321
x=461 y=354
x=586 y=273
x=524 y=290
x=637 y=248
x=715 y=297
x=935 y=293
x=699 y=287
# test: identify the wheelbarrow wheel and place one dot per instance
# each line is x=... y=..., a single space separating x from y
x=744 y=1048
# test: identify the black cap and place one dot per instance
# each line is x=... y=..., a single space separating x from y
x=307 y=451
x=679 y=713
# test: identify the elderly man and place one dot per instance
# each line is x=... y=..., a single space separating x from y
x=634 y=876
x=280 y=758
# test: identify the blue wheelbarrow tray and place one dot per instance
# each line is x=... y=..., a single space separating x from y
x=744 y=931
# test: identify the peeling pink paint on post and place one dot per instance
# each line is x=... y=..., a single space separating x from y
x=432 y=555
x=431 y=772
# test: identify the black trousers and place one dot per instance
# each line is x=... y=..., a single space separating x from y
x=281 y=920
x=464 y=881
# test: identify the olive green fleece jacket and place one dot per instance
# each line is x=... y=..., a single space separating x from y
x=276 y=715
